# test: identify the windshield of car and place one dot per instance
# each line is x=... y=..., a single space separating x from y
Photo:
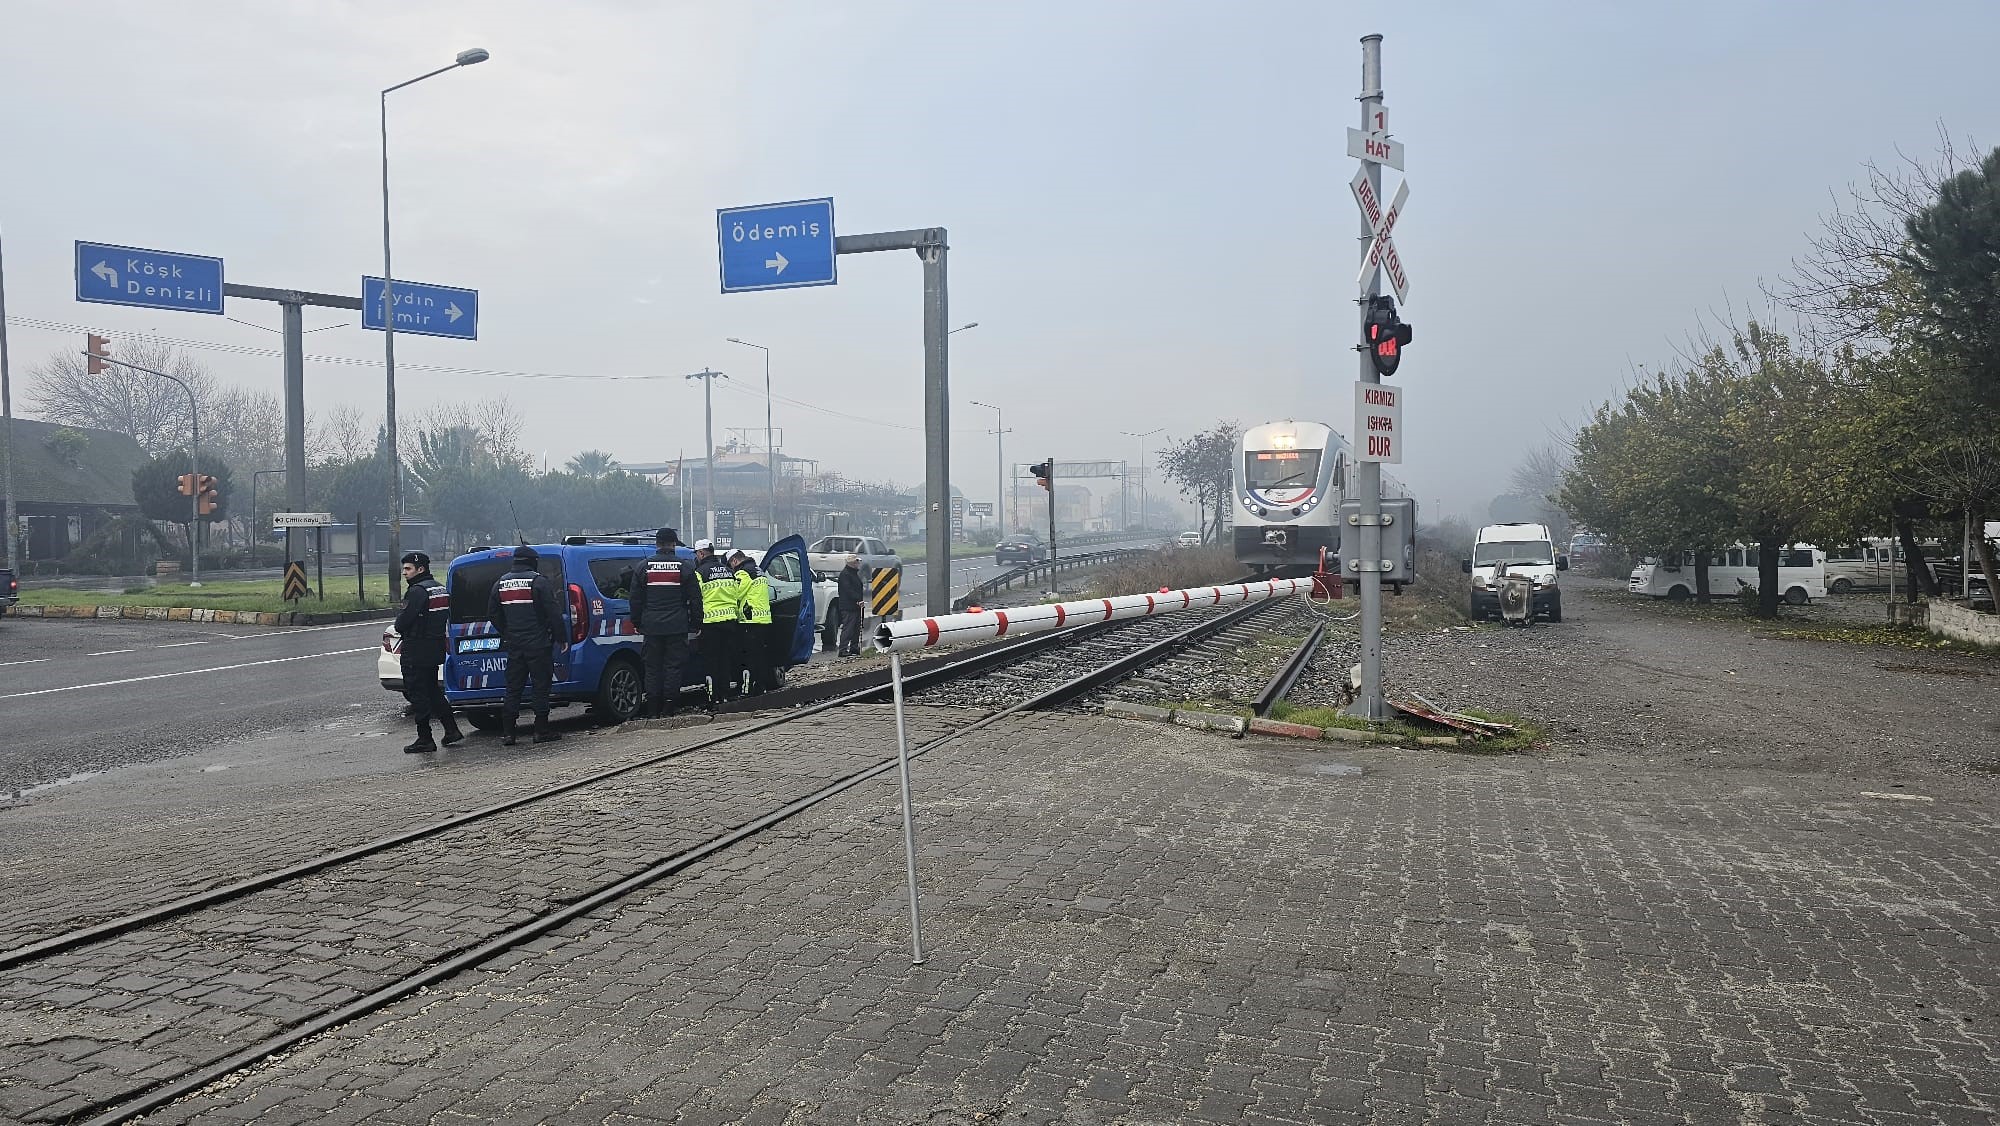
x=1533 y=552
x=1272 y=469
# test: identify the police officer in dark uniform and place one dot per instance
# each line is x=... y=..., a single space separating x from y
x=421 y=623
x=666 y=606
x=525 y=609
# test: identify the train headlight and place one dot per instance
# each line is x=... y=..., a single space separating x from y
x=1258 y=509
x=1298 y=510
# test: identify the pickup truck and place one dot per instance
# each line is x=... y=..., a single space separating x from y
x=10 y=589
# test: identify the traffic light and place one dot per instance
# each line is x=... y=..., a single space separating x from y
x=206 y=497
x=1043 y=473
x=96 y=351
x=187 y=483
x=1384 y=335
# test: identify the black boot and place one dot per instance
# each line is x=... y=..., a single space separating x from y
x=452 y=733
x=542 y=732
x=507 y=732
x=424 y=744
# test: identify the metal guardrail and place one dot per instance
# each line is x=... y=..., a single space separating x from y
x=1030 y=571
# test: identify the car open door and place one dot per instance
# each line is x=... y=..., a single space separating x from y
x=792 y=612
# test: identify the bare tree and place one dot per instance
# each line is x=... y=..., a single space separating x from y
x=497 y=423
x=1850 y=276
x=150 y=409
x=342 y=434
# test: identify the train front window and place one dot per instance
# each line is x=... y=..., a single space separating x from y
x=1281 y=469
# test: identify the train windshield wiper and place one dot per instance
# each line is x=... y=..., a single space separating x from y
x=1282 y=480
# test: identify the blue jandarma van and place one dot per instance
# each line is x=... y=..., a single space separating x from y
x=597 y=661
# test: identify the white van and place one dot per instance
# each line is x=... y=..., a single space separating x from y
x=1801 y=573
x=1525 y=549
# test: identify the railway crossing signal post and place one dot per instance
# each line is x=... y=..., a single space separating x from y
x=1383 y=336
x=191 y=483
x=1045 y=476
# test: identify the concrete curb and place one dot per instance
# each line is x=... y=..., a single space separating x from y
x=1125 y=710
x=1288 y=730
x=199 y=614
x=1211 y=721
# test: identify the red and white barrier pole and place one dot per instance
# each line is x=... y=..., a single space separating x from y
x=985 y=625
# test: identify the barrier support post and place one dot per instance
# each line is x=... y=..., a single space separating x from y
x=909 y=828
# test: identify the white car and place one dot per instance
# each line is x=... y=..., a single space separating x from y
x=388 y=663
x=1188 y=539
x=828 y=554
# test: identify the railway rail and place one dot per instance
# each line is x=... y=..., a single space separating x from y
x=437 y=900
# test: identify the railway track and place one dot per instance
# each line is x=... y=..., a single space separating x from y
x=240 y=972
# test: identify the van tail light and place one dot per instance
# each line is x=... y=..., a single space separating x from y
x=579 y=622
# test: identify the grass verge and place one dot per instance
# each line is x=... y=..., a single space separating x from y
x=259 y=595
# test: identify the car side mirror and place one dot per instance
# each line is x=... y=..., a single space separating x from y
x=1562 y=562
x=1465 y=565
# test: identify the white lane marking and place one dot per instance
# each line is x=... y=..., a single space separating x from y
x=180 y=644
x=110 y=652
x=30 y=661
x=378 y=623
x=186 y=672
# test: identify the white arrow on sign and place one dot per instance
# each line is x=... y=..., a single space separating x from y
x=105 y=272
x=452 y=312
x=776 y=261
x=1381 y=248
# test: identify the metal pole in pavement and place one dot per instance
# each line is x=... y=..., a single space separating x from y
x=1368 y=550
x=909 y=826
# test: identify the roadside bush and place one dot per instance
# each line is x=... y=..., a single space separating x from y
x=1175 y=569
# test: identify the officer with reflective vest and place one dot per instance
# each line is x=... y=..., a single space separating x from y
x=525 y=609
x=421 y=624
x=757 y=656
x=666 y=606
x=721 y=611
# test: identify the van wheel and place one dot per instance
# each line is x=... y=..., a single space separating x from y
x=1797 y=596
x=1555 y=611
x=619 y=693
x=482 y=719
x=1474 y=612
x=1678 y=594
x=1841 y=586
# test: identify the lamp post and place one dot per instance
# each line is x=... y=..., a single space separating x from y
x=708 y=379
x=465 y=58
x=770 y=448
x=1142 y=467
x=999 y=463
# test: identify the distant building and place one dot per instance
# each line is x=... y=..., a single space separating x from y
x=69 y=481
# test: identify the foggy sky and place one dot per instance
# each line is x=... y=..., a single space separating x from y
x=1147 y=202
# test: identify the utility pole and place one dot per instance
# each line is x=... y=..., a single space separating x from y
x=770 y=445
x=6 y=420
x=1000 y=433
x=1142 y=436
x=1370 y=705
x=708 y=379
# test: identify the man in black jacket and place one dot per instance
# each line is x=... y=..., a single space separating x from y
x=525 y=609
x=666 y=606
x=849 y=593
x=421 y=624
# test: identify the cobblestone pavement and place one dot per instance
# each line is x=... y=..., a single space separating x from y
x=1134 y=923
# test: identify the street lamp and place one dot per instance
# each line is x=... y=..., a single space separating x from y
x=770 y=448
x=1142 y=467
x=465 y=58
x=999 y=464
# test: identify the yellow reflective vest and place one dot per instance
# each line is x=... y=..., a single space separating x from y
x=756 y=597
x=721 y=596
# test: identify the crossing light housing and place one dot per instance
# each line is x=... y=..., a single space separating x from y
x=207 y=499
x=187 y=484
x=97 y=349
x=1385 y=335
x=1042 y=474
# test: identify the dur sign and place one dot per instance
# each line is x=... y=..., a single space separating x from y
x=1378 y=423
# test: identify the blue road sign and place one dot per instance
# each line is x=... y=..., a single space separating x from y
x=151 y=279
x=776 y=245
x=427 y=310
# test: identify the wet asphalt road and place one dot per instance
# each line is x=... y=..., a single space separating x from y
x=81 y=696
